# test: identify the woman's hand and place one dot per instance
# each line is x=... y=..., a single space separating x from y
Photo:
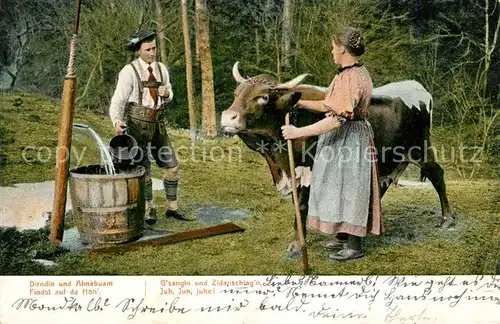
x=290 y=132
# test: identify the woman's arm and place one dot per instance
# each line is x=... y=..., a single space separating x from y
x=320 y=127
x=313 y=105
x=323 y=126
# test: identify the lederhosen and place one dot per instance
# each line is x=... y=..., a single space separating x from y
x=147 y=126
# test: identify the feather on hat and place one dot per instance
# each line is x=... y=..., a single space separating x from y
x=138 y=38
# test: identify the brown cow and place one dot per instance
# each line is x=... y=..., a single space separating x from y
x=400 y=115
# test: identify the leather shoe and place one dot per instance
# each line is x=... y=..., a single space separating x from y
x=346 y=254
x=176 y=214
x=335 y=245
x=150 y=216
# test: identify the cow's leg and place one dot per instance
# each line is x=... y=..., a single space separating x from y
x=294 y=250
x=393 y=177
x=431 y=170
x=435 y=174
x=396 y=179
x=385 y=183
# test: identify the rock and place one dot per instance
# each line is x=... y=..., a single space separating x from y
x=47 y=263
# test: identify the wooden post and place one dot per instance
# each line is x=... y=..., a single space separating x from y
x=64 y=141
x=300 y=232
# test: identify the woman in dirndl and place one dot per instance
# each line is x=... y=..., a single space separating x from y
x=344 y=201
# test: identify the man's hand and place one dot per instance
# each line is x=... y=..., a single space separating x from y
x=163 y=91
x=120 y=127
x=290 y=132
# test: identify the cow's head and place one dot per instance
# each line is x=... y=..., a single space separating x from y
x=256 y=116
x=259 y=103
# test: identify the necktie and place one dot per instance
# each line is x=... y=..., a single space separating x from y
x=152 y=90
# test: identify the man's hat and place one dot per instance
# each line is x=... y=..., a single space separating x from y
x=138 y=37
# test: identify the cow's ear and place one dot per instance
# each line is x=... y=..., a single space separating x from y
x=288 y=100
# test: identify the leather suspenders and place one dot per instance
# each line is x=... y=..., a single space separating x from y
x=146 y=84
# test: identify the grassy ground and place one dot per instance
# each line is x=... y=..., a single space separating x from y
x=239 y=178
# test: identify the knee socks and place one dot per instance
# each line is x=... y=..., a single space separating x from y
x=170 y=189
x=149 y=190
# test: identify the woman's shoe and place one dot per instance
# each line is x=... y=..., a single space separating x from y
x=346 y=254
x=334 y=245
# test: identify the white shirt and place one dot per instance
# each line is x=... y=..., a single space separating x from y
x=127 y=88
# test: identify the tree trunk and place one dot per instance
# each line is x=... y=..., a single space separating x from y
x=489 y=48
x=189 y=71
x=197 y=48
x=159 y=31
x=257 y=48
x=207 y=84
x=196 y=39
x=287 y=31
x=269 y=6
x=13 y=78
x=18 y=62
x=297 y=38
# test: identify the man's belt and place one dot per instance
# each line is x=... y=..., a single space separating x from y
x=145 y=114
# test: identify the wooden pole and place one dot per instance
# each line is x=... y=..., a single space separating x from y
x=64 y=141
x=302 y=241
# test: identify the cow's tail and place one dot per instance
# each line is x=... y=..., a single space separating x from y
x=430 y=115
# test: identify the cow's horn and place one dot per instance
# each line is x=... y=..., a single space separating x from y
x=293 y=83
x=236 y=74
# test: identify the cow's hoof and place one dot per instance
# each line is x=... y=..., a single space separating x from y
x=448 y=222
x=385 y=182
x=294 y=252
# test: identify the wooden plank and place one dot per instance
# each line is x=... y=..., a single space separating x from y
x=108 y=194
x=121 y=192
x=225 y=228
x=95 y=195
